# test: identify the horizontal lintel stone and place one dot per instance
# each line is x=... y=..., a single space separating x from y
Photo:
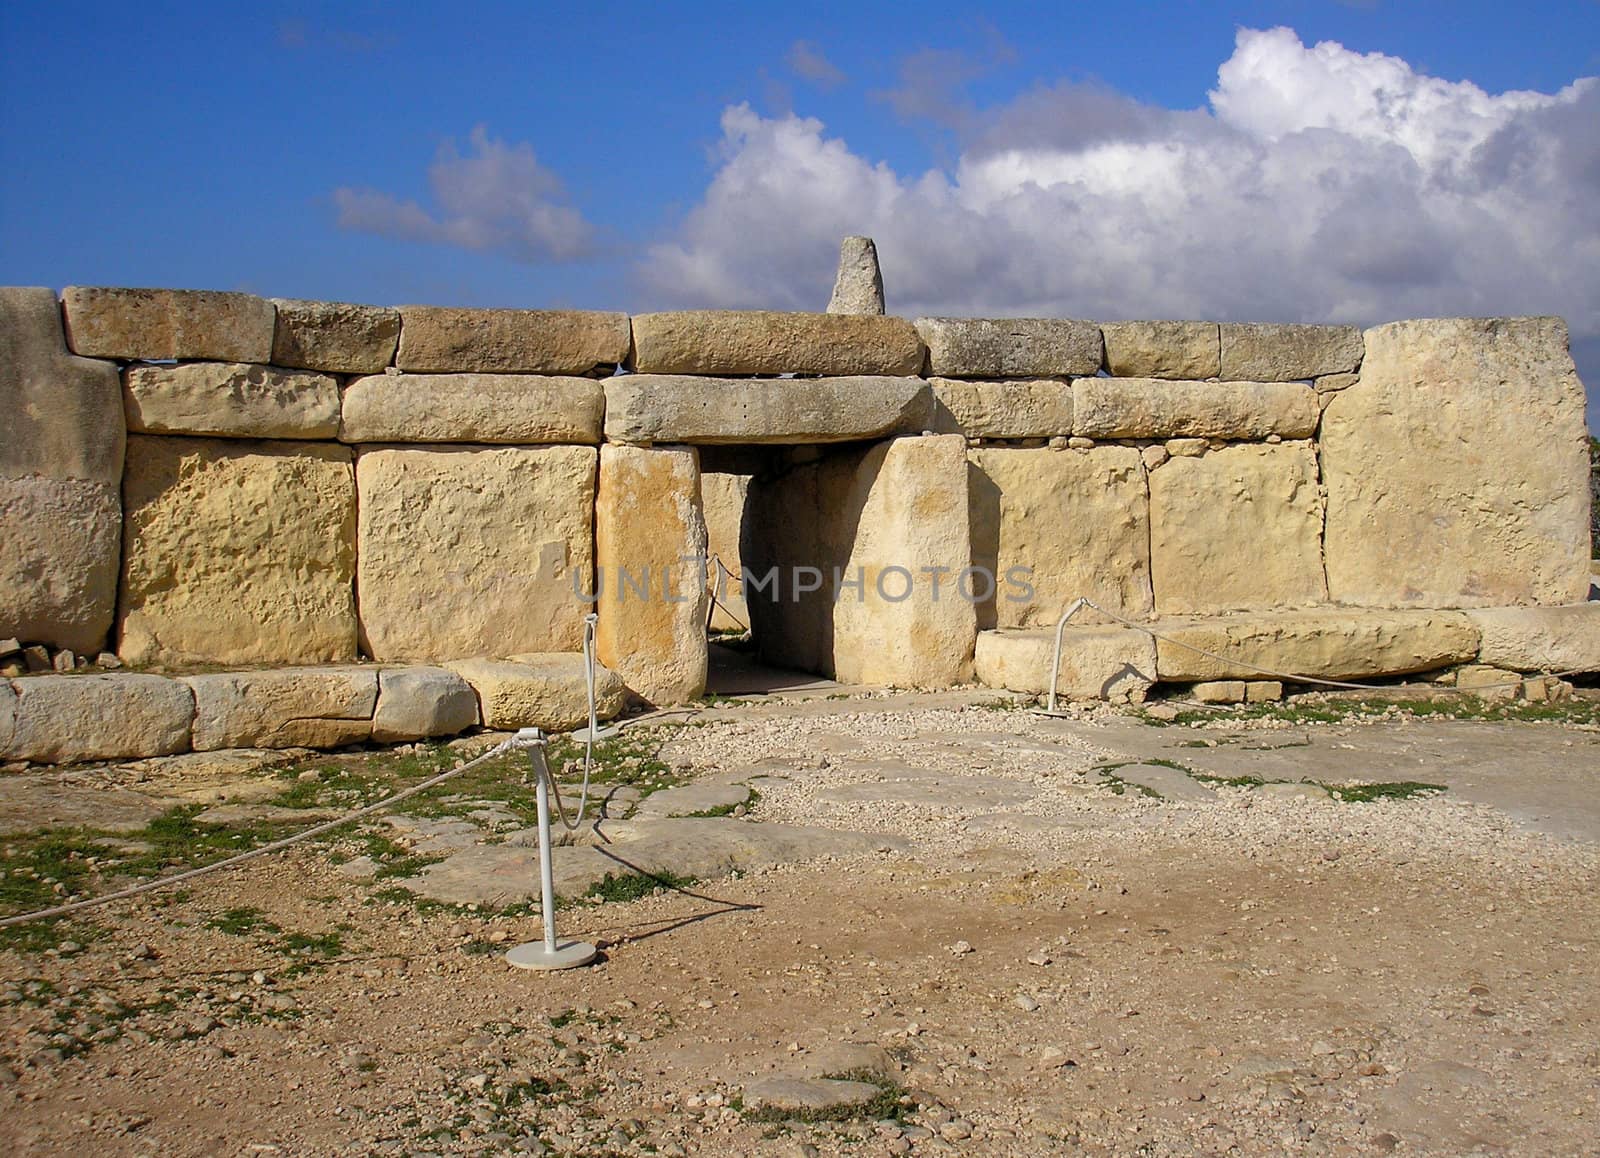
x=335 y=337
x=158 y=324
x=1164 y=408
x=1012 y=408
x=478 y=408
x=647 y=408
x=445 y=340
x=1163 y=349
x=231 y=400
x=1274 y=352
x=771 y=342
x=1010 y=347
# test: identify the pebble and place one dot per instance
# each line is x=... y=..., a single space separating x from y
x=960 y=949
x=1026 y=1003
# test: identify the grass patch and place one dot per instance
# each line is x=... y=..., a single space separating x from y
x=1395 y=790
x=1445 y=705
x=242 y=922
x=718 y=810
x=632 y=886
x=891 y=1103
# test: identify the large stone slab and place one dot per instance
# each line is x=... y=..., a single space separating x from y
x=417 y=702
x=444 y=340
x=63 y=414
x=1186 y=350
x=1159 y=408
x=1237 y=529
x=858 y=286
x=291 y=707
x=1457 y=468
x=335 y=337
x=1540 y=638
x=1021 y=408
x=548 y=691
x=1010 y=347
x=648 y=408
x=483 y=408
x=474 y=551
x=156 y=324
x=1334 y=643
x=237 y=552
x=1076 y=523
x=723 y=498
x=1258 y=352
x=1097 y=663
x=66 y=719
x=769 y=342
x=650 y=551
x=231 y=400
x=60 y=540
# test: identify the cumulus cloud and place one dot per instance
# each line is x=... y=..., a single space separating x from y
x=1316 y=184
x=498 y=198
x=807 y=62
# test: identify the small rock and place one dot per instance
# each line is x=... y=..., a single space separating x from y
x=64 y=660
x=37 y=658
x=960 y=949
x=108 y=661
x=1039 y=957
x=1078 y=442
x=1026 y=1003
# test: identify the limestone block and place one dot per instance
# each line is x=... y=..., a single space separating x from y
x=1256 y=352
x=231 y=400
x=1187 y=350
x=646 y=408
x=770 y=342
x=474 y=551
x=335 y=337
x=1263 y=691
x=444 y=340
x=1239 y=528
x=288 y=707
x=1010 y=347
x=59 y=545
x=1077 y=523
x=66 y=719
x=417 y=702
x=723 y=498
x=1023 y=408
x=650 y=528
x=1332 y=383
x=63 y=414
x=1490 y=683
x=1332 y=643
x=1533 y=639
x=1157 y=408
x=237 y=552
x=1219 y=692
x=155 y=324
x=8 y=715
x=546 y=691
x=1457 y=468
x=1097 y=663
x=482 y=408
x=858 y=286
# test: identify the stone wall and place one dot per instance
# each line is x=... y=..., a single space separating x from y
x=199 y=480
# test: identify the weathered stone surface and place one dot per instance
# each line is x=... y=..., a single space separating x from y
x=650 y=526
x=1158 y=408
x=231 y=400
x=1540 y=638
x=442 y=340
x=289 y=707
x=1258 y=352
x=858 y=286
x=65 y=719
x=1332 y=383
x=772 y=342
x=1237 y=529
x=1219 y=692
x=1076 y=522
x=59 y=545
x=807 y=1095
x=335 y=337
x=1457 y=468
x=237 y=552
x=484 y=408
x=1488 y=682
x=63 y=414
x=546 y=691
x=1334 y=643
x=1188 y=350
x=154 y=324
x=1010 y=347
x=1023 y=408
x=681 y=408
x=1097 y=663
x=467 y=551
x=417 y=702
x=723 y=498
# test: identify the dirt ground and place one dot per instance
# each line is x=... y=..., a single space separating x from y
x=1080 y=968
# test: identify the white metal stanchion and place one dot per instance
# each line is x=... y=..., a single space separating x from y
x=550 y=953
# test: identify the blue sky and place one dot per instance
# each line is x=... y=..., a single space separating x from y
x=1300 y=161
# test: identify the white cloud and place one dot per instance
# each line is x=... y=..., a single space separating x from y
x=1318 y=184
x=498 y=198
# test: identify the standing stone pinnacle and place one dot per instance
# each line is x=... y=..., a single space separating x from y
x=859 y=287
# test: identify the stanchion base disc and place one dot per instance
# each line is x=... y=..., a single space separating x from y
x=567 y=955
